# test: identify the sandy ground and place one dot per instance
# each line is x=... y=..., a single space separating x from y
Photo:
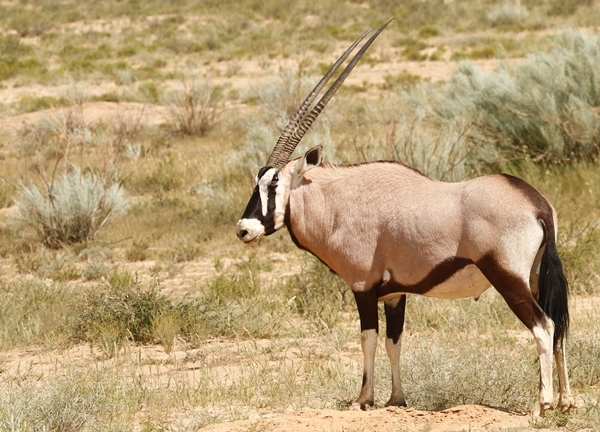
x=460 y=418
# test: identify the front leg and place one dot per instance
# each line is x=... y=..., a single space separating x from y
x=369 y=329
x=394 y=316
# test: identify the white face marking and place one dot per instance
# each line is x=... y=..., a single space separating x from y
x=263 y=189
x=280 y=199
x=254 y=229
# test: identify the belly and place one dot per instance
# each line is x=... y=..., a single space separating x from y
x=466 y=282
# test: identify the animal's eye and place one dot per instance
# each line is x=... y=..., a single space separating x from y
x=275 y=179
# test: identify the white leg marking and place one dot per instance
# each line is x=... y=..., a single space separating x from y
x=393 y=352
x=368 y=340
x=565 y=399
x=543 y=334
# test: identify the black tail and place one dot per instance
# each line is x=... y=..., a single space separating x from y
x=553 y=288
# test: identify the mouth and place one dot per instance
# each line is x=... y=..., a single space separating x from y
x=253 y=240
x=244 y=237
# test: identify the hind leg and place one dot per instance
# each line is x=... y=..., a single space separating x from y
x=394 y=315
x=543 y=332
x=565 y=399
x=515 y=290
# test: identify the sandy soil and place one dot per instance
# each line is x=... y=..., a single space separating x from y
x=466 y=417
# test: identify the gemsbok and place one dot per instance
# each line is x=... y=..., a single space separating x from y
x=387 y=230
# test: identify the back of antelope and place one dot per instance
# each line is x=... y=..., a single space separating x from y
x=388 y=231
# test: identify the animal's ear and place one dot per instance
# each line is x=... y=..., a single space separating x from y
x=311 y=159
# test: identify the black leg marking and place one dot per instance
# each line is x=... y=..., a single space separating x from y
x=366 y=303
x=394 y=319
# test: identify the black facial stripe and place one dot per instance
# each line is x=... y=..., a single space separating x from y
x=269 y=222
x=253 y=209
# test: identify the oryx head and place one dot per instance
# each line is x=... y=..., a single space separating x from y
x=265 y=211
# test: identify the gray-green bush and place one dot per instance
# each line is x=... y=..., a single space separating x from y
x=72 y=208
x=544 y=108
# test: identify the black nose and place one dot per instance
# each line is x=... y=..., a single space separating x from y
x=242 y=233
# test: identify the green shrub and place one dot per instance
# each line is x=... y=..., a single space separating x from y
x=72 y=208
x=429 y=31
x=403 y=80
x=412 y=49
x=9 y=67
x=29 y=103
x=118 y=311
x=545 y=108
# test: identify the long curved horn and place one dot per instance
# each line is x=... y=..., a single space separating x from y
x=279 y=150
x=293 y=133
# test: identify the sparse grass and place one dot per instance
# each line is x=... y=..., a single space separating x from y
x=138 y=251
x=318 y=295
x=194 y=109
x=33 y=312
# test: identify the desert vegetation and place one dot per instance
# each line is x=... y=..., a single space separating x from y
x=131 y=134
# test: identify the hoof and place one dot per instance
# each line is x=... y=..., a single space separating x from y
x=567 y=407
x=540 y=409
x=362 y=404
x=397 y=403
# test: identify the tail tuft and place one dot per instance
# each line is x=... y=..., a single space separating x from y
x=553 y=289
